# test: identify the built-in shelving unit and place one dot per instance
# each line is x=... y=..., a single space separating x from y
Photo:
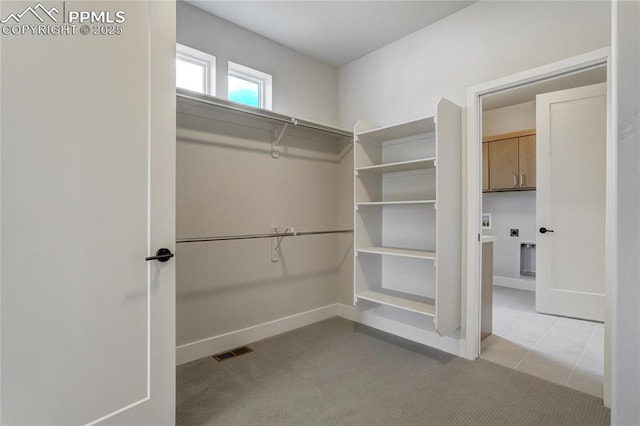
x=407 y=180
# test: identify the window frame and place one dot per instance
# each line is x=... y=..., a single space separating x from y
x=264 y=81
x=207 y=61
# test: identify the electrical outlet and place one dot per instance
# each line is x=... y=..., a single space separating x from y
x=514 y=232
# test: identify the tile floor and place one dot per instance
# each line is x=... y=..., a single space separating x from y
x=562 y=350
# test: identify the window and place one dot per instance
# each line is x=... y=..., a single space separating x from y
x=195 y=70
x=248 y=86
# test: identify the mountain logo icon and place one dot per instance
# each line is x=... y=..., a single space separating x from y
x=39 y=11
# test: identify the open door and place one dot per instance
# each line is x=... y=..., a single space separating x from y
x=570 y=202
x=88 y=176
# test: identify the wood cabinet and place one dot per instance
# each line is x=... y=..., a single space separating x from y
x=527 y=161
x=509 y=161
x=407 y=220
x=485 y=166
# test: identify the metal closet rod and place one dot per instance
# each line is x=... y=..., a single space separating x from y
x=251 y=236
x=260 y=113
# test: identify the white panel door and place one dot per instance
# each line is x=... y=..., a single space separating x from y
x=570 y=202
x=87 y=183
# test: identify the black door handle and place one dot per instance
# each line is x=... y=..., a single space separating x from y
x=544 y=230
x=162 y=255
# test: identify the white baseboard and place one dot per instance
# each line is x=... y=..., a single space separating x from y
x=213 y=345
x=407 y=331
x=519 y=283
x=346 y=311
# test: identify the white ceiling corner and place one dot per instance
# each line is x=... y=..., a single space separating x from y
x=334 y=32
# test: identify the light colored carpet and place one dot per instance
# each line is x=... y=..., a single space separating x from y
x=339 y=372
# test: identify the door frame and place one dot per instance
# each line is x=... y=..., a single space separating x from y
x=472 y=266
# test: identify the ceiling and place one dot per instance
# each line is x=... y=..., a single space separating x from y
x=334 y=32
x=528 y=93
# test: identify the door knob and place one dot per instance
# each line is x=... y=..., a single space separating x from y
x=162 y=255
x=544 y=230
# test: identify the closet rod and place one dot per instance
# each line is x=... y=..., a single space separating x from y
x=221 y=103
x=272 y=235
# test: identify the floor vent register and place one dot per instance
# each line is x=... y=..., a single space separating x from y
x=233 y=353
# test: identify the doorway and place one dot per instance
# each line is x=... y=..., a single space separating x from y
x=568 y=351
x=541 y=324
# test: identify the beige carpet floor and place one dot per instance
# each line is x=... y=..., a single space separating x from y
x=338 y=372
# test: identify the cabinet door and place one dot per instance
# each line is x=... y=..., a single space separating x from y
x=485 y=166
x=503 y=164
x=527 y=161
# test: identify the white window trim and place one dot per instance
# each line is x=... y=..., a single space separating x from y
x=264 y=80
x=198 y=57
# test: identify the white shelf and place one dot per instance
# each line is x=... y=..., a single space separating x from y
x=260 y=113
x=402 y=252
x=394 y=203
x=401 y=166
x=397 y=131
x=399 y=302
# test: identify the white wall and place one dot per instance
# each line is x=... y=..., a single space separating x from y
x=515 y=209
x=302 y=86
x=509 y=119
x=626 y=316
x=229 y=184
x=482 y=42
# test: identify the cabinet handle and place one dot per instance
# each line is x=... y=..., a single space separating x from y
x=515 y=180
x=521 y=180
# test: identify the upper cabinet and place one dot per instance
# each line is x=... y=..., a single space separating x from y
x=485 y=167
x=527 y=161
x=509 y=161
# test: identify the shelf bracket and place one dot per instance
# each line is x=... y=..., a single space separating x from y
x=275 y=244
x=276 y=136
x=276 y=241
